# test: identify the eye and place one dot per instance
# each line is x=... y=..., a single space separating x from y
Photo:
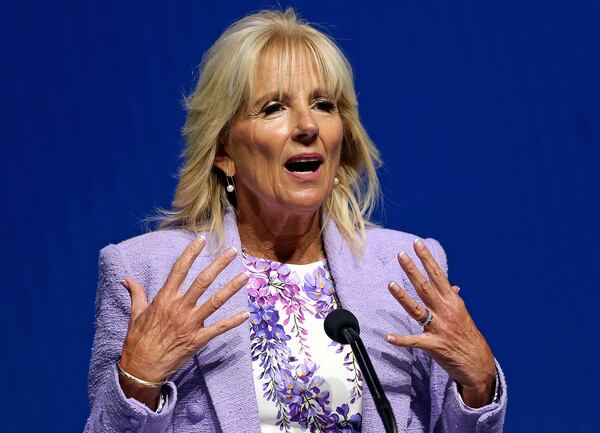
x=325 y=105
x=273 y=108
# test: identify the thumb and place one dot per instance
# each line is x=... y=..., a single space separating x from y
x=139 y=301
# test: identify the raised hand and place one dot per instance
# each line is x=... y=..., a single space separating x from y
x=163 y=335
x=449 y=334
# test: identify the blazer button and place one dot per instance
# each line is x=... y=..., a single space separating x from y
x=195 y=412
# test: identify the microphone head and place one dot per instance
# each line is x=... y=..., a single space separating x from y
x=338 y=320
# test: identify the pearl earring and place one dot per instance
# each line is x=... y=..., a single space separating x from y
x=336 y=180
x=230 y=187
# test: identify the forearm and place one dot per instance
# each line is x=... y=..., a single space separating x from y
x=457 y=416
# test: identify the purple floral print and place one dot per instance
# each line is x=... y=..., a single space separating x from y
x=282 y=304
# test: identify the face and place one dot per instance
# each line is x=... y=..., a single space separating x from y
x=284 y=152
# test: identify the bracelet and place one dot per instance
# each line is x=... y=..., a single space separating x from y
x=138 y=380
x=496 y=396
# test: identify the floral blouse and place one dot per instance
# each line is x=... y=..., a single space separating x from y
x=303 y=380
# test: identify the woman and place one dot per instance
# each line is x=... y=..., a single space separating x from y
x=271 y=222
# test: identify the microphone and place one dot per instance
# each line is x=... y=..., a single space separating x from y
x=342 y=326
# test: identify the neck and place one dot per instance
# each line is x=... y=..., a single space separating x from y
x=280 y=236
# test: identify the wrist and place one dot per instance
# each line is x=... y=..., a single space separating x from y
x=137 y=380
x=479 y=394
x=141 y=370
x=142 y=390
x=144 y=394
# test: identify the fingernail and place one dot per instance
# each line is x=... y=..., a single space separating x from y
x=389 y=338
x=404 y=257
x=124 y=284
x=244 y=315
x=200 y=240
x=231 y=252
x=245 y=275
x=393 y=286
x=418 y=243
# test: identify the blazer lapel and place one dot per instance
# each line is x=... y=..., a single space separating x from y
x=361 y=287
x=225 y=362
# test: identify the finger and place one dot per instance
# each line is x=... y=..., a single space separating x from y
x=412 y=307
x=183 y=264
x=416 y=341
x=139 y=300
x=436 y=274
x=208 y=275
x=218 y=298
x=426 y=291
x=224 y=325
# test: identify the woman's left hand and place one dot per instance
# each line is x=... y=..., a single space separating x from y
x=451 y=338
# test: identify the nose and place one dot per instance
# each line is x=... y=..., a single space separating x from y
x=306 y=129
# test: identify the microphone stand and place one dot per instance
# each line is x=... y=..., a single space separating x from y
x=381 y=402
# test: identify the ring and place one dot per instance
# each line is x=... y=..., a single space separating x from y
x=427 y=320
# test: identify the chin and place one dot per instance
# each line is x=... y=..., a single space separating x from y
x=305 y=203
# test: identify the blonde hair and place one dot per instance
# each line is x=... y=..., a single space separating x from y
x=228 y=75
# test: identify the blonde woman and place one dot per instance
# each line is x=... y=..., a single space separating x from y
x=221 y=326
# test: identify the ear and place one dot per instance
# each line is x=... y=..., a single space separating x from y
x=223 y=161
x=225 y=164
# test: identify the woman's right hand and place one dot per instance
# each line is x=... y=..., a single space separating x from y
x=164 y=334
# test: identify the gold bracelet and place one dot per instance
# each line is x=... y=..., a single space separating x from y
x=138 y=380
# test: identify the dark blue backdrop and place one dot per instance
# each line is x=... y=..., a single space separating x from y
x=490 y=109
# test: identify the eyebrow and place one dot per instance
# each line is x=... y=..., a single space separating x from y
x=319 y=91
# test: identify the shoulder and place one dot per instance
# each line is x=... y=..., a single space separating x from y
x=385 y=243
x=155 y=241
x=152 y=242
x=148 y=250
x=378 y=234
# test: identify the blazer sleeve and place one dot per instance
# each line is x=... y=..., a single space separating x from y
x=110 y=410
x=448 y=411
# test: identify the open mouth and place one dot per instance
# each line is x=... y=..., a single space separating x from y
x=304 y=163
x=303 y=166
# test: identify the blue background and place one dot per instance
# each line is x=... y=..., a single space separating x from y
x=490 y=110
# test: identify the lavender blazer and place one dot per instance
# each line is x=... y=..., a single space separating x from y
x=214 y=391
